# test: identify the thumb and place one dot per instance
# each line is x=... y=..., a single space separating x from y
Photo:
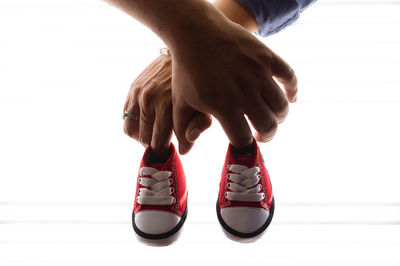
x=182 y=115
x=199 y=123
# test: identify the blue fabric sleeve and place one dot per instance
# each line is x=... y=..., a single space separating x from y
x=275 y=15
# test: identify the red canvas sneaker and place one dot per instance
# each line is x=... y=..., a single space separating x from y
x=245 y=203
x=161 y=197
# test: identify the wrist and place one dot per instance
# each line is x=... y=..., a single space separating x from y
x=205 y=27
x=237 y=13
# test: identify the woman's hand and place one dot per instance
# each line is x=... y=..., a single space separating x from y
x=149 y=101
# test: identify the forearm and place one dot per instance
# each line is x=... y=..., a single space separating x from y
x=174 y=21
x=237 y=13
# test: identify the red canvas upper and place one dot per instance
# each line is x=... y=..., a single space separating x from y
x=174 y=165
x=250 y=161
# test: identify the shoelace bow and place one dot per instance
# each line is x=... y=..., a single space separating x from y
x=157 y=190
x=243 y=183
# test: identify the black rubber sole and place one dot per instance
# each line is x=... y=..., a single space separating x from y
x=163 y=235
x=246 y=235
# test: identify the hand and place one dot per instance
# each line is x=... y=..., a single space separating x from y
x=149 y=100
x=229 y=73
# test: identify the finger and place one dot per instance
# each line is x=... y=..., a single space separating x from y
x=236 y=128
x=182 y=114
x=285 y=75
x=276 y=100
x=126 y=105
x=146 y=123
x=162 y=129
x=199 y=123
x=131 y=125
x=263 y=120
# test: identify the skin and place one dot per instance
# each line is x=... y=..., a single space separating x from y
x=150 y=97
x=150 y=94
x=218 y=69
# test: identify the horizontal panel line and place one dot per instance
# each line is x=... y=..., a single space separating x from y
x=101 y=5
x=347 y=63
x=350 y=82
x=359 y=3
x=83 y=203
x=305 y=23
x=360 y=222
x=182 y=262
x=367 y=204
x=158 y=45
x=123 y=203
x=129 y=242
x=293 y=62
x=321 y=22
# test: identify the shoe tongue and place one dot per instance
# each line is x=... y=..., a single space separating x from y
x=157 y=166
x=153 y=160
x=244 y=159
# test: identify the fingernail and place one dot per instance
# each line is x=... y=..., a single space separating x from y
x=182 y=149
x=194 y=135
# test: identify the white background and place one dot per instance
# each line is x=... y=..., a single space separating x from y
x=68 y=173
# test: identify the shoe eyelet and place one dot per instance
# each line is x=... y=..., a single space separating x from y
x=226 y=194
x=171 y=181
x=139 y=190
x=263 y=195
x=140 y=180
x=172 y=190
x=173 y=200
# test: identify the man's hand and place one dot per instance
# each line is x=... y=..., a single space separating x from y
x=229 y=73
x=149 y=101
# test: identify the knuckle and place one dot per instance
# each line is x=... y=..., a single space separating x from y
x=166 y=93
x=270 y=128
x=144 y=116
x=144 y=139
x=229 y=108
x=283 y=109
x=165 y=102
x=147 y=97
x=207 y=121
x=131 y=132
x=134 y=91
x=292 y=75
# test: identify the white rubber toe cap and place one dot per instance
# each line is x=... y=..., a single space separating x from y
x=244 y=219
x=156 y=222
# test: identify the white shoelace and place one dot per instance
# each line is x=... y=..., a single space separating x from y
x=243 y=183
x=157 y=190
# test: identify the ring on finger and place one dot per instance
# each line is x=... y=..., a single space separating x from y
x=130 y=115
